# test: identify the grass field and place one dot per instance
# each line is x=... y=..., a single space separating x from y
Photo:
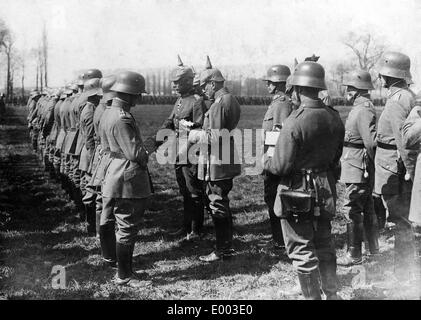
x=40 y=230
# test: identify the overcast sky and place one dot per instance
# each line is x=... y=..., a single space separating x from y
x=109 y=34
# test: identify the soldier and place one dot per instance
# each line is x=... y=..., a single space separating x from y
x=358 y=168
x=411 y=132
x=32 y=113
x=47 y=127
x=188 y=107
x=101 y=157
x=126 y=186
x=309 y=146
x=86 y=131
x=76 y=108
x=218 y=169
x=69 y=123
x=61 y=131
x=276 y=114
x=393 y=163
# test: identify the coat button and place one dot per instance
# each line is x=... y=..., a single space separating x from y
x=387 y=167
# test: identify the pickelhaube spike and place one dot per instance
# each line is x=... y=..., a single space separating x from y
x=208 y=63
x=295 y=62
x=180 y=62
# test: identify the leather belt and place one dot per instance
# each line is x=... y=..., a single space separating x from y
x=387 y=146
x=117 y=155
x=353 y=145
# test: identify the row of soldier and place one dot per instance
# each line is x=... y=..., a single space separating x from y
x=94 y=147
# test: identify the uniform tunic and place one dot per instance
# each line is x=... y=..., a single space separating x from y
x=278 y=111
x=126 y=186
x=358 y=158
x=311 y=138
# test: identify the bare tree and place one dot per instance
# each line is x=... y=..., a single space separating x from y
x=366 y=47
x=44 y=55
x=7 y=43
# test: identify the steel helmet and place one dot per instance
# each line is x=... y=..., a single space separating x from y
x=91 y=74
x=396 y=65
x=277 y=73
x=106 y=84
x=129 y=82
x=359 y=79
x=91 y=87
x=309 y=74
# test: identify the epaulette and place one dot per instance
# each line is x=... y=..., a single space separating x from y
x=218 y=100
x=279 y=97
x=197 y=97
x=367 y=104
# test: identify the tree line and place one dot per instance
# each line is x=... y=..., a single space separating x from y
x=365 y=48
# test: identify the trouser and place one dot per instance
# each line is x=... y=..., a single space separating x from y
x=218 y=203
x=92 y=216
x=311 y=248
x=359 y=208
x=191 y=188
x=126 y=214
x=76 y=172
x=397 y=206
x=271 y=183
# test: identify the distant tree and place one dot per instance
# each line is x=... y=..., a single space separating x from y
x=367 y=48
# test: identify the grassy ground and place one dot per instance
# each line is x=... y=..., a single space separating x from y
x=40 y=229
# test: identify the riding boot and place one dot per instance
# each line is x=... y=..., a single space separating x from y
x=91 y=220
x=310 y=285
x=125 y=274
x=380 y=211
x=329 y=279
x=197 y=216
x=108 y=243
x=371 y=229
x=354 y=242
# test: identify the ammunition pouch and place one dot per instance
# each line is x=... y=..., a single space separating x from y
x=297 y=203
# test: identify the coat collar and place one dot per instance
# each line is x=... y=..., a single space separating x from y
x=361 y=99
x=401 y=85
x=118 y=103
x=311 y=103
x=221 y=92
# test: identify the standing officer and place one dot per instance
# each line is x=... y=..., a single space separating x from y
x=411 y=132
x=126 y=186
x=188 y=107
x=70 y=125
x=393 y=163
x=61 y=131
x=86 y=131
x=309 y=146
x=77 y=107
x=98 y=163
x=218 y=169
x=279 y=109
x=358 y=168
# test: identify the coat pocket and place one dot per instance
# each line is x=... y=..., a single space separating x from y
x=388 y=164
x=131 y=172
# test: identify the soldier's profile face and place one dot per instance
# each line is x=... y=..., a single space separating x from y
x=210 y=89
x=182 y=85
x=271 y=87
